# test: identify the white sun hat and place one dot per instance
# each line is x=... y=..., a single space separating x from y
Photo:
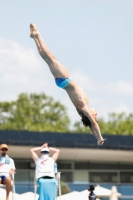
x=45 y=149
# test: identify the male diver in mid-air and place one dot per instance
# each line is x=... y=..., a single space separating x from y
x=64 y=81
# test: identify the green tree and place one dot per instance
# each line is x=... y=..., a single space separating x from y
x=80 y=128
x=38 y=112
x=64 y=188
x=34 y=112
x=118 y=123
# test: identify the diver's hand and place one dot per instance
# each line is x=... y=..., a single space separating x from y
x=101 y=142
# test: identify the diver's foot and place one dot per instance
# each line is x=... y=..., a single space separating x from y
x=34 y=32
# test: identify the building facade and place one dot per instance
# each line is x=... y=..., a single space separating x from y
x=81 y=161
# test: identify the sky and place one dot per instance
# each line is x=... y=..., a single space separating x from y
x=92 y=38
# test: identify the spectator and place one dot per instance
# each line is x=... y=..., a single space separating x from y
x=7 y=168
x=45 y=171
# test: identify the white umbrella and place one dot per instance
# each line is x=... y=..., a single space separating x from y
x=75 y=195
x=3 y=195
x=1 y=199
x=70 y=196
x=28 y=195
x=114 y=193
x=100 y=192
x=84 y=195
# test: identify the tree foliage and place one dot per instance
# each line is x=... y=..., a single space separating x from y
x=79 y=128
x=34 y=112
x=118 y=123
x=38 y=112
x=64 y=188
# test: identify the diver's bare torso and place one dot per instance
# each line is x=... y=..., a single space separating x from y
x=77 y=95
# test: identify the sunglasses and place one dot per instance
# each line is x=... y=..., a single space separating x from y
x=44 y=152
x=4 y=149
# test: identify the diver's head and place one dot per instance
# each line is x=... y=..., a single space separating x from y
x=86 y=122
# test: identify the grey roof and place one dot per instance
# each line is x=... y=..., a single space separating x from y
x=66 y=140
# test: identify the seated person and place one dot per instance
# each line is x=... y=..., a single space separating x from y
x=45 y=171
x=7 y=168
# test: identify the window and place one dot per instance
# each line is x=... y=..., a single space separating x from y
x=64 y=165
x=126 y=166
x=80 y=176
x=22 y=176
x=126 y=177
x=81 y=165
x=21 y=165
x=32 y=165
x=103 y=165
x=67 y=176
x=105 y=177
x=31 y=175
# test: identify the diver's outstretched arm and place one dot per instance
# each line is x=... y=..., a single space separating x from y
x=94 y=125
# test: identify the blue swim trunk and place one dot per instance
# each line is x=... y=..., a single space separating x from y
x=2 y=179
x=62 y=82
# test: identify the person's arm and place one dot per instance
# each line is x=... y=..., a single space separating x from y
x=94 y=126
x=12 y=169
x=56 y=153
x=34 y=150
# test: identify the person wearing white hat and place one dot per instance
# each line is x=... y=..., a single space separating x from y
x=45 y=170
x=7 y=167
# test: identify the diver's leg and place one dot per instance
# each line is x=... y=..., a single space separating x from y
x=42 y=55
x=57 y=69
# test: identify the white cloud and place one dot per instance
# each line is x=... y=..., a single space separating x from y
x=119 y=87
x=121 y=108
x=84 y=81
x=109 y=107
x=23 y=70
